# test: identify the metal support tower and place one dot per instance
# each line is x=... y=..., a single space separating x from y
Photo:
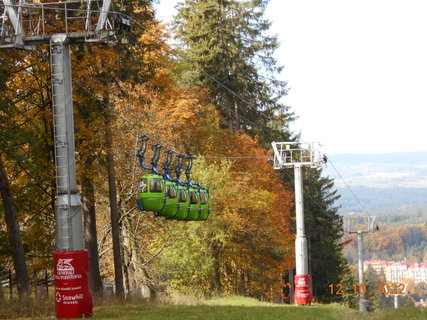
x=59 y=24
x=298 y=155
x=360 y=225
x=31 y=23
x=68 y=208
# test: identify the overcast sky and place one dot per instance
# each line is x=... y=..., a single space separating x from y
x=357 y=71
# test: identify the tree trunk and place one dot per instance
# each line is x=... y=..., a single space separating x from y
x=229 y=116
x=138 y=280
x=217 y=286
x=14 y=233
x=236 y=115
x=90 y=233
x=115 y=229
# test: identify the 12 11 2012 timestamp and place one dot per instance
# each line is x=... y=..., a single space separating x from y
x=379 y=288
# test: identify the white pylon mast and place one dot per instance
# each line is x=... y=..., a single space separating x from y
x=297 y=155
x=301 y=251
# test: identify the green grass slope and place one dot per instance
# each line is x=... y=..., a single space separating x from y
x=240 y=308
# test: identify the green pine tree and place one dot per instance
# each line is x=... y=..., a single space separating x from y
x=228 y=40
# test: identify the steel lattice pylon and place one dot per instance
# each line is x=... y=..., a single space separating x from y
x=355 y=224
x=25 y=24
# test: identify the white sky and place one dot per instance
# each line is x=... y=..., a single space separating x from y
x=357 y=70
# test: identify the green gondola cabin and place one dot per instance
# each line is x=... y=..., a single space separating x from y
x=183 y=204
x=152 y=192
x=204 y=204
x=193 y=210
x=171 y=204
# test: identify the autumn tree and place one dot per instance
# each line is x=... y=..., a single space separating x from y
x=13 y=232
x=246 y=243
x=27 y=156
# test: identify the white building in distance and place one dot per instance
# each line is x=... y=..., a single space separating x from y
x=396 y=272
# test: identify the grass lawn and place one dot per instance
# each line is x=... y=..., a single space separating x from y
x=239 y=308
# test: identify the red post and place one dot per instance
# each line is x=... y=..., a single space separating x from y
x=72 y=295
x=303 y=294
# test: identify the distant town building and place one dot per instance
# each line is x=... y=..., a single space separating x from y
x=421 y=303
x=396 y=272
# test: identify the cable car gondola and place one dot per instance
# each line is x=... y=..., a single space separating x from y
x=204 y=204
x=151 y=190
x=183 y=197
x=183 y=204
x=167 y=197
x=194 y=208
x=171 y=203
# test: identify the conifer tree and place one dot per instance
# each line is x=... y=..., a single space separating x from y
x=324 y=232
x=231 y=51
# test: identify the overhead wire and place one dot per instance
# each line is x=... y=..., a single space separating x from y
x=314 y=201
x=342 y=179
x=243 y=157
x=348 y=187
x=219 y=157
x=180 y=55
x=221 y=84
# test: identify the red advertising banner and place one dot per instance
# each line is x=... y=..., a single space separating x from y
x=72 y=294
x=303 y=293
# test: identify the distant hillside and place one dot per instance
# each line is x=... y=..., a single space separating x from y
x=383 y=200
x=394 y=243
x=384 y=183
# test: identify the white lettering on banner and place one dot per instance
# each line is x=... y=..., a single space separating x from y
x=68 y=277
x=302 y=282
x=68 y=299
x=68 y=288
x=75 y=297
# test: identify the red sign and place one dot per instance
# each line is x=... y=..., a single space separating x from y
x=72 y=294
x=303 y=293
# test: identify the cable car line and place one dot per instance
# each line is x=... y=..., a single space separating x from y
x=351 y=191
x=176 y=53
x=202 y=70
x=219 y=157
x=231 y=157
